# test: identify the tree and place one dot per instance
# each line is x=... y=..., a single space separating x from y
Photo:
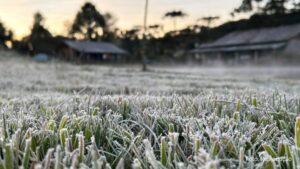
x=249 y=6
x=275 y=7
x=174 y=15
x=110 y=32
x=131 y=42
x=39 y=39
x=38 y=30
x=246 y=6
x=296 y=6
x=5 y=35
x=270 y=6
x=155 y=30
x=209 y=19
x=132 y=34
x=89 y=23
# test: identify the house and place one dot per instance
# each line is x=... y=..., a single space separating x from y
x=251 y=44
x=90 y=51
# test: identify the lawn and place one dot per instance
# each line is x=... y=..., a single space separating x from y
x=59 y=115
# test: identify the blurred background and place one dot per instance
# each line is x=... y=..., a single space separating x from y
x=206 y=32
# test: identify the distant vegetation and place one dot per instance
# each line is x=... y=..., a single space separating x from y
x=5 y=35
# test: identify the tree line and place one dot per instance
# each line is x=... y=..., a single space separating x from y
x=91 y=24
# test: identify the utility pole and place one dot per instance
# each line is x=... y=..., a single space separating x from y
x=144 y=57
x=146 y=16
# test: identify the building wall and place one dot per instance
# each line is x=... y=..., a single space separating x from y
x=293 y=47
x=69 y=54
x=227 y=57
x=66 y=53
x=237 y=57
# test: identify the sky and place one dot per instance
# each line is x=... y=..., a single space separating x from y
x=18 y=14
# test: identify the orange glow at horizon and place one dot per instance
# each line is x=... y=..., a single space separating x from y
x=18 y=14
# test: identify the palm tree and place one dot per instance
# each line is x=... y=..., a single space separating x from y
x=174 y=15
x=209 y=19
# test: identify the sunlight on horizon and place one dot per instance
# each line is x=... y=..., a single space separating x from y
x=18 y=14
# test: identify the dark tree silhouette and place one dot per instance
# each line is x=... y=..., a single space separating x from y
x=174 y=15
x=270 y=6
x=5 y=35
x=132 y=34
x=38 y=30
x=155 y=30
x=246 y=6
x=275 y=7
x=110 y=32
x=209 y=20
x=89 y=23
x=296 y=6
x=38 y=35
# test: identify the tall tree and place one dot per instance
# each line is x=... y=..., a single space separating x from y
x=174 y=15
x=38 y=30
x=5 y=35
x=89 y=23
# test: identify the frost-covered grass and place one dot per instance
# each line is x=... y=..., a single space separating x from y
x=59 y=115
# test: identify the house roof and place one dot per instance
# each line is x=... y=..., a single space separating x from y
x=265 y=38
x=94 y=47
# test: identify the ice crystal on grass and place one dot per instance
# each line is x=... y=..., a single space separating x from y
x=59 y=115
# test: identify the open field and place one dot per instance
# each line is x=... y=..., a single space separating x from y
x=59 y=115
